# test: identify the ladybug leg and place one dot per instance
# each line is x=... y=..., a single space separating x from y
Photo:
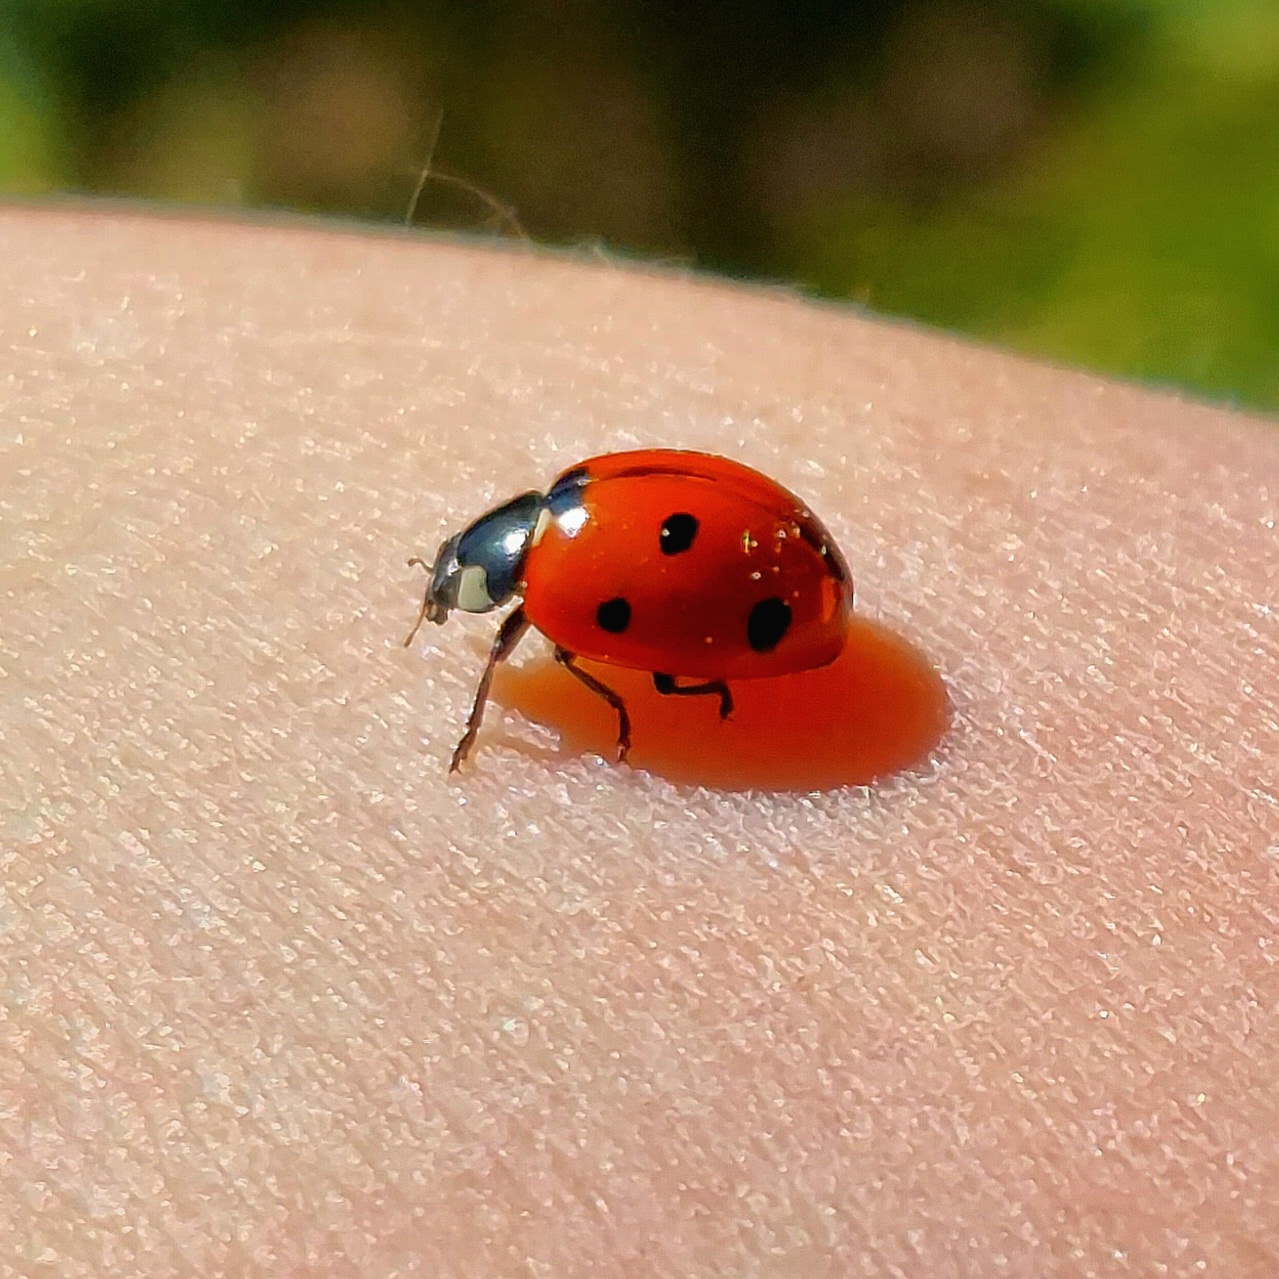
x=665 y=684
x=508 y=635
x=568 y=661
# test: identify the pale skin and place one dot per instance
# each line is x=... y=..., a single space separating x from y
x=280 y=997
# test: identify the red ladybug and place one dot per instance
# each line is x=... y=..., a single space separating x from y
x=685 y=565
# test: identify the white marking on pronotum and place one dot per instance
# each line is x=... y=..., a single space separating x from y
x=544 y=521
x=473 y=590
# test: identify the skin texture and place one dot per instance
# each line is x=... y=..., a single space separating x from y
x=280 y=998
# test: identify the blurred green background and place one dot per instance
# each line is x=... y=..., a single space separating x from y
x=1093 y=180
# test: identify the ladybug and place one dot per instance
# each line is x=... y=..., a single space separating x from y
x=692 y=567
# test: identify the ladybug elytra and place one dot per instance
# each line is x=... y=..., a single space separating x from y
x=688 y=566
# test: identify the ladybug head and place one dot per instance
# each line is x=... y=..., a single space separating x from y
x=481 y=568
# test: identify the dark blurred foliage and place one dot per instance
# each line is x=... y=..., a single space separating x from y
x=1095 y=180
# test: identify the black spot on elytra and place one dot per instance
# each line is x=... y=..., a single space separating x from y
x=678 y=532
x=614 y=615
x=768 y=623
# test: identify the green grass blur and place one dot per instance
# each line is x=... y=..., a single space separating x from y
x=1096 y=181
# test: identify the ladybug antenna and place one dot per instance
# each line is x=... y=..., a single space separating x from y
x=416 y=561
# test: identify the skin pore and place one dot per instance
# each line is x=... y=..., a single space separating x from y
x=282 y=998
